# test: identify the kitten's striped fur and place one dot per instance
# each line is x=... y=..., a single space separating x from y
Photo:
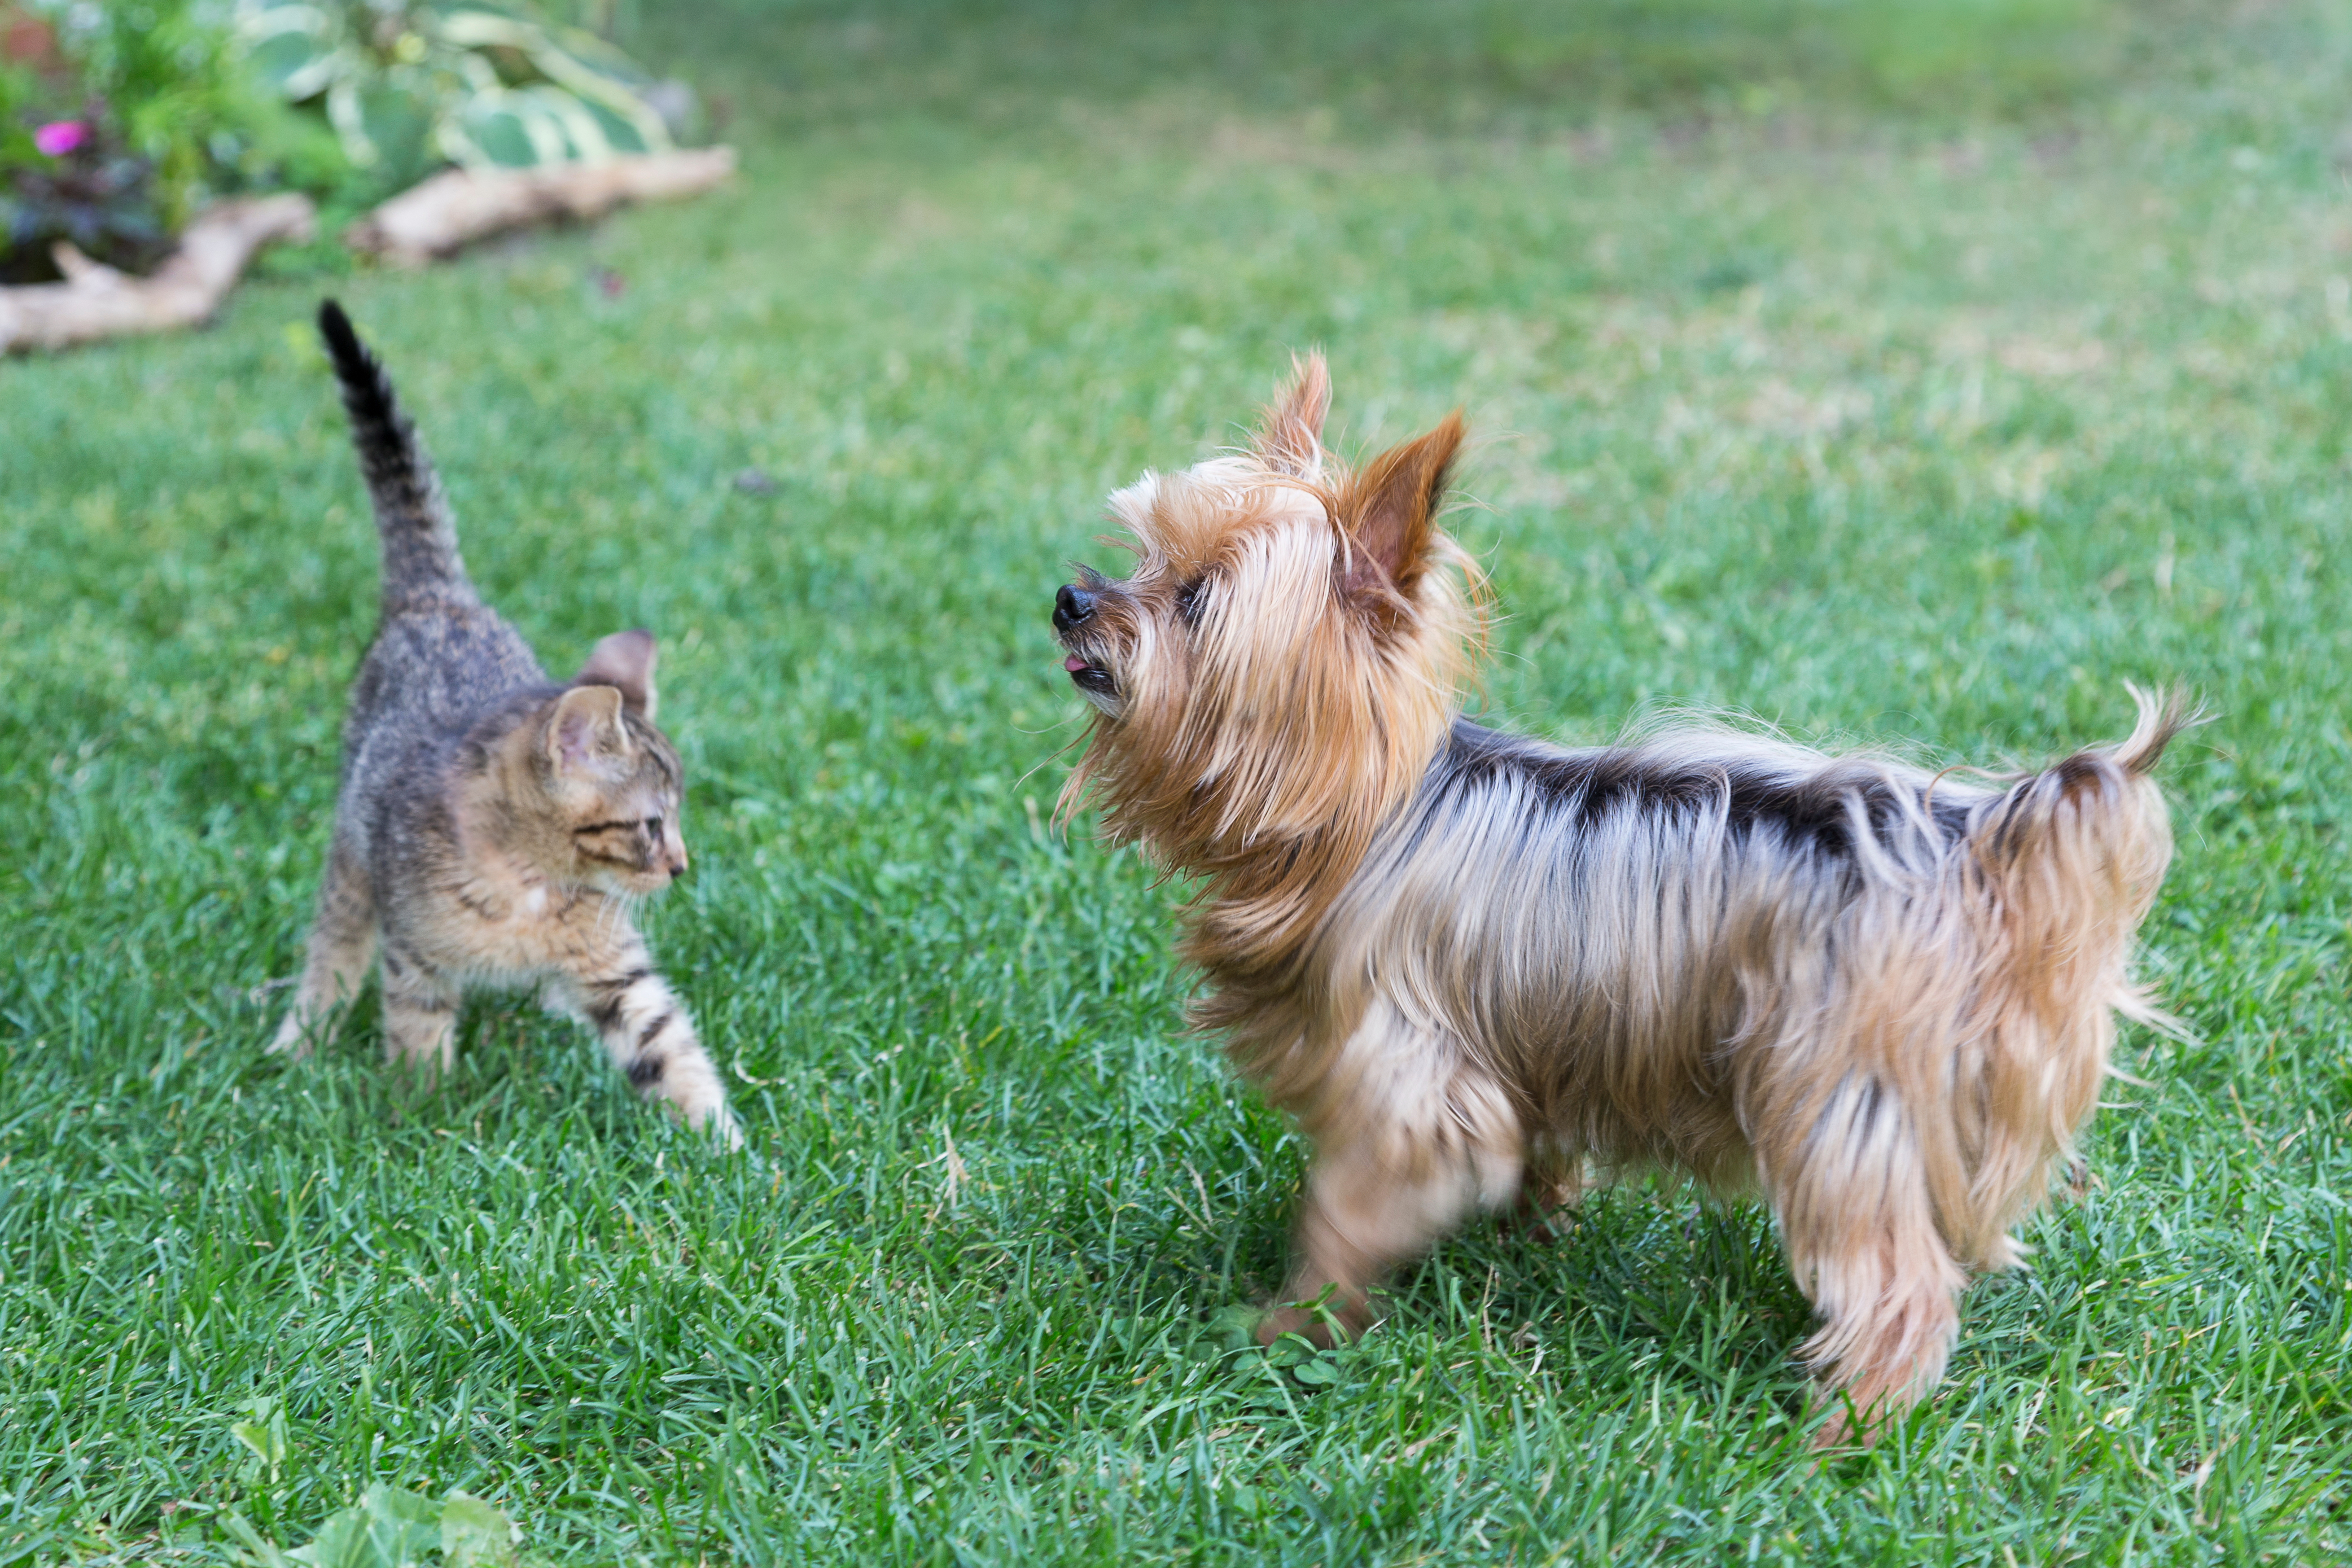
x=493 y=826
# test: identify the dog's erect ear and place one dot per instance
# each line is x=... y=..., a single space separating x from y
x=586 y=725
x=1389 y=511
x=625 y=659
x=1289 y=439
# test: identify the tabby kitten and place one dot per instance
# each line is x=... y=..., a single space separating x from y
x=493 y=826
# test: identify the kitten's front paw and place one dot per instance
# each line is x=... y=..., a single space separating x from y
x=722 y=1128
x=293 y=1039
x=714 y=1121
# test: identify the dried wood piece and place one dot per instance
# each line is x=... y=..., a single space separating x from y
x=457 y=207
x=97 y=301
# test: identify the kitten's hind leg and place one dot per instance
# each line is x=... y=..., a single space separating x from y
x=342 y=945
x=420 y=1014
x=650 y=1037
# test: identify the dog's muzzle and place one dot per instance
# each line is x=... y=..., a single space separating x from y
x=1073 y=607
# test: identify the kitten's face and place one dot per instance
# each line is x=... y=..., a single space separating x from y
x=618 y=788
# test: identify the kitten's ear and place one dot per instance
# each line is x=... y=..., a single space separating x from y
x=1390 y=510
x=586 y=725
x=625 y=659
x=1290 y=438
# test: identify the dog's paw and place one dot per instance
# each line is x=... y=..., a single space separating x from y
x=1233 y=1328
x=2080 y=1179
x=1274 y=1323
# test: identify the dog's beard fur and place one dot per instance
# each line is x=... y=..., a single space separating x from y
x=1466 y=961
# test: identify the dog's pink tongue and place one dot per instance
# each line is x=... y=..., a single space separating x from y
x=1074 y=664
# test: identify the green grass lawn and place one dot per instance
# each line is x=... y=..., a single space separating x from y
x=1915 y=382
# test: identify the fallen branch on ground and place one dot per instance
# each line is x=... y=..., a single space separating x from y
x=453 y=209
x=97 y=301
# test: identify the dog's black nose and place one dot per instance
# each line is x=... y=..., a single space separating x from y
x=1072 y=606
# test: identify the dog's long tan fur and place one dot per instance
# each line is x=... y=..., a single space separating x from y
x=1467 y=960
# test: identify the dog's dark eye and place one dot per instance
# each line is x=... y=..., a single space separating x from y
x=1188 y=601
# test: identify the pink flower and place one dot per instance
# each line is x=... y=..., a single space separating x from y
x=60 y=137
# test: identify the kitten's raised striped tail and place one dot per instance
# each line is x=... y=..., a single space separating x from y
x=412 y=514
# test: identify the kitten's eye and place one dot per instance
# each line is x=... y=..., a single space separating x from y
x=653 y=826
x=1188 y=601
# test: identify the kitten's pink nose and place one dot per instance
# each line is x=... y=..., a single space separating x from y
x=678 y=863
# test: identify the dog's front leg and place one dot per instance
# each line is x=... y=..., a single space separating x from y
x=1420 y=1136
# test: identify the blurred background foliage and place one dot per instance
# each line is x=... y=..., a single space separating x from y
x=1452 y=64
x=352 y=99
x=169 y=118
x=410 y=86
x=176 y=103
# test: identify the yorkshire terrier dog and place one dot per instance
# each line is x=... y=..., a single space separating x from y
x=1466 y=961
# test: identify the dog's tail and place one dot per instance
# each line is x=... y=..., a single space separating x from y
x=2102 y=794
x=2073 y=855
x=2065 y=862
x=412 y=514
